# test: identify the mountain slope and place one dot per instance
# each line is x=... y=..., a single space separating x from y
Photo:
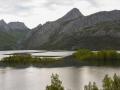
x=11 y=34
x=74 y=30
x=6 y=41
x=105 y=35
x=41 y=34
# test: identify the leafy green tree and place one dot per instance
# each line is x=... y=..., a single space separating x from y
x=111 y=83
x=91 y=86
x=116 y=82
x=107 y=83
x=56 y=84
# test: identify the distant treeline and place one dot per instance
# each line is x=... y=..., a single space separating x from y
x=104 y=57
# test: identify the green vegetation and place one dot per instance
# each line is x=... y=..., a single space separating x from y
x=56 y=84
x=91 y=86
x=108 y=84
x=8 y=40
x=16 y=60
x=100 y=58
x=84 y=54
x=80 y=58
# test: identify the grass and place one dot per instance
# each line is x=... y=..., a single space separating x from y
x=99 y=58
x=26 y=60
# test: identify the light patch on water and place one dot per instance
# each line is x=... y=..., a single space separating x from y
x=54 y=54
x=38 y=53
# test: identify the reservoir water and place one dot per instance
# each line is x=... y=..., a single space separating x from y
x=38 y=78
x=33 y=78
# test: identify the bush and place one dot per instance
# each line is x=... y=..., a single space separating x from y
x=104 y=57
x=84 y=54
x=108 y=84
x=27 y=59
x=56 y=84
x=91 y=86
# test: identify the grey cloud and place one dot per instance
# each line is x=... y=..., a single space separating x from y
x=24 y=6
x=93 y=2
x=14 y=6
x=49 y=3
x=59 y=2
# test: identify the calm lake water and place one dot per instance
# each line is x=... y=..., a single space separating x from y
x=38 y=78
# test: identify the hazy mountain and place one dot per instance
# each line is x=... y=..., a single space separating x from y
x=11 y=34
x=17 y=26
x=74 y=30
x=3 y=26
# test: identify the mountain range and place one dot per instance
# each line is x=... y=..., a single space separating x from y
x=100 y=30
x=97 y=31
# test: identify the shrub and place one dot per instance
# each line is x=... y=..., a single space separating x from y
x=56 y=84
x=104 y=57
x=15 y=60
x=108 y=84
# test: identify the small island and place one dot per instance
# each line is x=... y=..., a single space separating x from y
x=25 y=60
x=98 y=58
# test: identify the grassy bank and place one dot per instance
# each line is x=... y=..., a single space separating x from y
x=99 y=58
x=26 y=60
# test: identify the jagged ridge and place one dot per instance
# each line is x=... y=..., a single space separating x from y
x=69 y=32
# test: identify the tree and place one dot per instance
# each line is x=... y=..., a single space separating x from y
x=56 y=84
x=116 y=82
x=91 y=86
x=107 y=83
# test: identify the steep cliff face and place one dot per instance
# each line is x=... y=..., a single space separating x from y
x=75 y=30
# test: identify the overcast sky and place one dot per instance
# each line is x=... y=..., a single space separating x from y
x=34 y=12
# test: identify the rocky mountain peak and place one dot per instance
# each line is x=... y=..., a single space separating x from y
x=71 y=15
x=75 y=11
x=3 y=26
x=2 y=22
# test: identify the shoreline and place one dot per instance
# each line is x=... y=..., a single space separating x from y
x=65 y=62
